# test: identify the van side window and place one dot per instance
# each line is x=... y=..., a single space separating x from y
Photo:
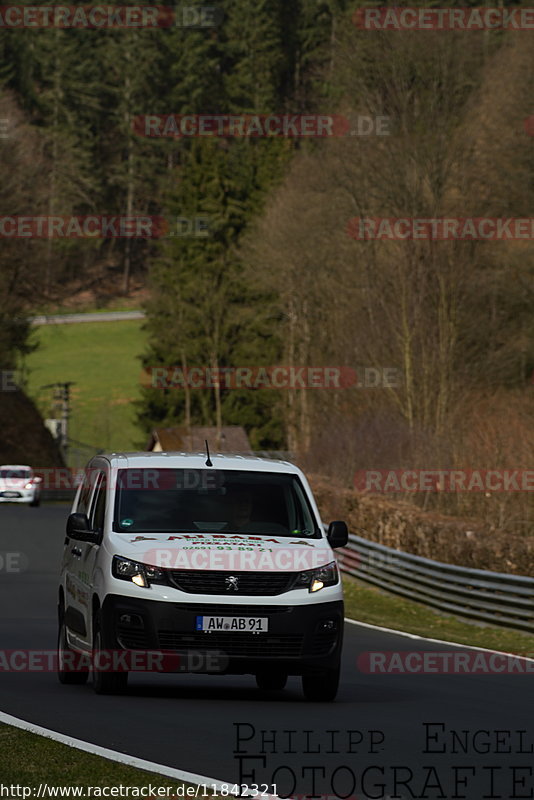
x=85 y=494
x=99 y=503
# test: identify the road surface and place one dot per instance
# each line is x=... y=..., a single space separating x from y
x=69 y=319
x=226 y=729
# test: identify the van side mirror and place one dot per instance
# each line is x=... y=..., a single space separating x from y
x=338 y=534
x=78 y=527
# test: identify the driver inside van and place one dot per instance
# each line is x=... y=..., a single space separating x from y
x=240 y=509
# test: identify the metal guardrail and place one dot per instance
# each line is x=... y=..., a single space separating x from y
x=490 y=597
x=278 y=455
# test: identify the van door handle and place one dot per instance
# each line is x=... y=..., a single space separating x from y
x=76 y=552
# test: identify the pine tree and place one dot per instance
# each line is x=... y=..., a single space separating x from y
x=203 y=313
x=201 y=310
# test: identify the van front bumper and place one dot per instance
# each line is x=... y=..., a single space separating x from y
x=300 y=639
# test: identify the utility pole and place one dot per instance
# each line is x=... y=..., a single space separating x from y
x=62 y=404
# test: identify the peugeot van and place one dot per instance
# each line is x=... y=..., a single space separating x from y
x=222 y=562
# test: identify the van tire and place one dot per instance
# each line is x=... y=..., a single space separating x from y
x=105 y=682
x=67 y=677
x=321 y=687
x=271 y=681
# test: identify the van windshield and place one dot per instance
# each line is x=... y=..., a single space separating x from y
x=212 y=501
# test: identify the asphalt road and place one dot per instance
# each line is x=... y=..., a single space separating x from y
x=198 y=723
x=102 y=316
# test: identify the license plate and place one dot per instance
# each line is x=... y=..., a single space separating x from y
x=10 y=494
x=233 y=624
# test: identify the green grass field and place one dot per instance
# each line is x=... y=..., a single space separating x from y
x=102 y=359
x=368 y=604
x=30 y=760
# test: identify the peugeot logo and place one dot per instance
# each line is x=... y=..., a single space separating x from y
x=231 y=583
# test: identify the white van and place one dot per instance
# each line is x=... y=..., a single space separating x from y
x=221 y=562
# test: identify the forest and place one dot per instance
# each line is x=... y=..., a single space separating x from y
x=440 y=129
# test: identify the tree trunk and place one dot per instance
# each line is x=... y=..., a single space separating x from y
x=217 y=396
x=130 y=173
x=129 y=212
x=187 y=392
x=292 y=437
x=53 y=173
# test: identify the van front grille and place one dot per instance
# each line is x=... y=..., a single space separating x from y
x=253 y=584
x=131 y=638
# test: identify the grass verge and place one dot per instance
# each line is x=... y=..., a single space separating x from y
x=368 y=604
x=102 y=359
x=30 y=760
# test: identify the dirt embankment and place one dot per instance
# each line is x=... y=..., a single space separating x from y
x=23 y=436
x=465 y=542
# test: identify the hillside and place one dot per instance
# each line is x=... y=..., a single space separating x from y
x=23 y=437
x=465 y=541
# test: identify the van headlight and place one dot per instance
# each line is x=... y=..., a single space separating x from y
x=141 y=574
x=317 y=579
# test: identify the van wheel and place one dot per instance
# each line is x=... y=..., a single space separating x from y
x=105 y=682
x=35 y=502
x=321 y=687
x=271 y=681
x=66 y=658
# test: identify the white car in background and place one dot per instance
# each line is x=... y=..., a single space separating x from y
x=19 y=484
